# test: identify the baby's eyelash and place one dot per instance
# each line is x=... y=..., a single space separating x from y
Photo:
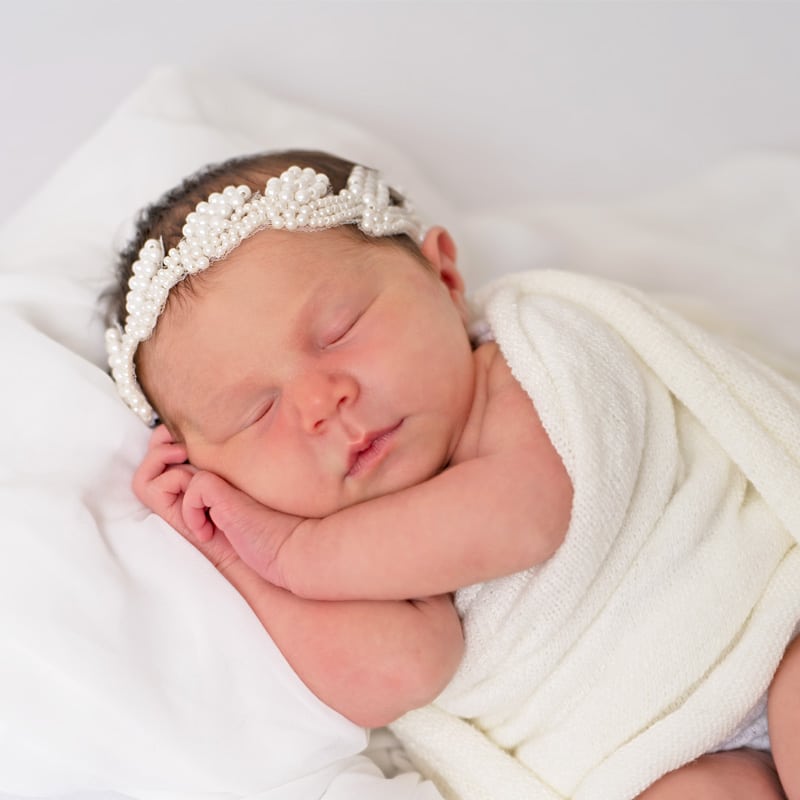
x=260 y=413
x=338 y=333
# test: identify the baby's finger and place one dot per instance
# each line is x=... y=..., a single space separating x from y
x=170 y=453
x=160 y=457
x=169 y=483
x=174 y=481
x=164 y=455
x=167 y=497
x=160 y=435
x=194 y=513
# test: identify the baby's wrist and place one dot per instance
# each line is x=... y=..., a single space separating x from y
x=289 y=564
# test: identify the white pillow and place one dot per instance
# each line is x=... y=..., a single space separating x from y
x=127 y=663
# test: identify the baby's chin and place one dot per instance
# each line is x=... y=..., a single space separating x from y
x=312 y=506
x=318 y=507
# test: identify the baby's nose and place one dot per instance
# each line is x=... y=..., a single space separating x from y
x=320 y=395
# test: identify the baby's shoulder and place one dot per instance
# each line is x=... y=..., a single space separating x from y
x=510 y=418
x=502 y=386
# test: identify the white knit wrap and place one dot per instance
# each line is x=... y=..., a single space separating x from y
x=659 y=623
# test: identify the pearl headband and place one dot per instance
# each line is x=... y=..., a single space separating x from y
x=300 y=199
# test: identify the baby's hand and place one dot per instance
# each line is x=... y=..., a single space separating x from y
x=162 y=478
x=212 y=506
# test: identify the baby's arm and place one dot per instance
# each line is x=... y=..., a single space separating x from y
x=370 y=660
x=502 y=509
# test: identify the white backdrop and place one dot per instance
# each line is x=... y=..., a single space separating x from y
x=496 y=100
x=498 y=104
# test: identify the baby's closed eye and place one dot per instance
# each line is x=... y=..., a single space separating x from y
x=259 y=412
x=337 y=330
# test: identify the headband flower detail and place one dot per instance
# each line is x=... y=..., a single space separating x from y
x=300 y=199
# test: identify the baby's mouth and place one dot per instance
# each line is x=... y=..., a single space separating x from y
x=367 y=452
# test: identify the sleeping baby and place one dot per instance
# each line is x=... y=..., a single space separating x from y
x=549 y=534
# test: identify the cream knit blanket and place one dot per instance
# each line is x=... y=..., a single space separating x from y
x=657 y=626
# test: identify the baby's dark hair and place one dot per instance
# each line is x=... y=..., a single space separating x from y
x=165 y=218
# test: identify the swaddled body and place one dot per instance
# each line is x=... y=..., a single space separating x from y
x=658 y=624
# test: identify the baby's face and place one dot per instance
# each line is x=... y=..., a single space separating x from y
x=314 y=371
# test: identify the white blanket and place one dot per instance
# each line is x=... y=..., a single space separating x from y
x=657 y=626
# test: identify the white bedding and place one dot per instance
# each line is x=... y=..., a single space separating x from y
x=127 y=665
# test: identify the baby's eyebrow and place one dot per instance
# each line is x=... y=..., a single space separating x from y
x=327 y=291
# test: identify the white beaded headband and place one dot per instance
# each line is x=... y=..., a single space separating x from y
x=300 y=199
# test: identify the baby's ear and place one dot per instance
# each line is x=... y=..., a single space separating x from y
x=439 y=249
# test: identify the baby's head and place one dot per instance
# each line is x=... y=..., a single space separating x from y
x=301 y=363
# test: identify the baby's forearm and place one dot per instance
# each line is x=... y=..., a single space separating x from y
x=370 y=660
x=483 y=518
